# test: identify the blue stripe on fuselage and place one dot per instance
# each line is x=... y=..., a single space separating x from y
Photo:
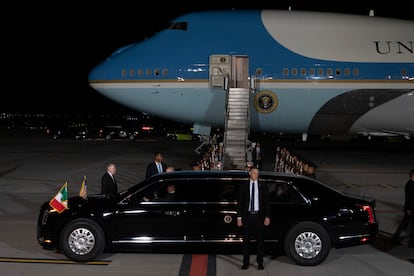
x=185 y=53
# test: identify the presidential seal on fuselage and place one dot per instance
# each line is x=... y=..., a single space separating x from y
x=265 y=101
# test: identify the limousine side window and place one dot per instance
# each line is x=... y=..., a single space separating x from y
x=313 y=190
x=192 y=190
x=283 y=192
x=185 y=191
x=208 y=190
x=158 y=191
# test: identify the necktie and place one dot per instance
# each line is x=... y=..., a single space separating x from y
x=252 y=197
x=159 y=168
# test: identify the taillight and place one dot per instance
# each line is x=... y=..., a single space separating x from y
x=370 y=212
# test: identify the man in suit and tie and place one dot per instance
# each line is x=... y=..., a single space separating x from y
x=253 y=216
x=109 y=187
x=157 y=166
x=257 y=156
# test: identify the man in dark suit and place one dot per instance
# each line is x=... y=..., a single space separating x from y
x=257 y=156
x=156 y=166
x=109 y=186
x=408 y=220
x=253 y=216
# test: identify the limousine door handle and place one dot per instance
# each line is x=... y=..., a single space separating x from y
x=172 y=213
x=345 y=212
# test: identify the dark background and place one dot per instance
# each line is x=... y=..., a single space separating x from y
x=50 y=48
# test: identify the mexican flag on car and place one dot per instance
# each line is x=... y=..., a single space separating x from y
x=60 y=201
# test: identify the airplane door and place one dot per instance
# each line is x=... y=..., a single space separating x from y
x=220 y=68
x=235 y=68
x=240 y=72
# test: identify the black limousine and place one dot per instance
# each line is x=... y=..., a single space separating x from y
x=308 y=218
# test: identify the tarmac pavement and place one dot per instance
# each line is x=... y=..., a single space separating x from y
x=33 y=168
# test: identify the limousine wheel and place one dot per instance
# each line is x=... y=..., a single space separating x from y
x=307 y=243
x=82 y=240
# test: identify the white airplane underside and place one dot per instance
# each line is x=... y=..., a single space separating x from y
x=313 y=111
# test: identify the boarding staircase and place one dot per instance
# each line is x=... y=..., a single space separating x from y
x=237 y=128
x=232 y=74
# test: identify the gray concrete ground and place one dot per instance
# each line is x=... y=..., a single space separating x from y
x=32 y=169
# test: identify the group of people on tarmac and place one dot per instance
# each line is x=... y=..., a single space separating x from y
x=286 y=161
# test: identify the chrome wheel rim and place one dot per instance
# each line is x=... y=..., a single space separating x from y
x=308 y=245
x=81 y=241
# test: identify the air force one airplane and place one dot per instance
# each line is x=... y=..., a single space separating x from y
x=308 y=72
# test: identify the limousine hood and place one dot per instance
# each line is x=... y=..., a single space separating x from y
x=77 y=204
x=92 y=202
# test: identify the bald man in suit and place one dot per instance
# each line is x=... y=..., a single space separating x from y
x=109 y=186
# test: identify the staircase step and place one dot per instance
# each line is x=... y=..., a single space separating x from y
x=236 y=128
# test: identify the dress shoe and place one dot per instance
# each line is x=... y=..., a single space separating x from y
x=245 y=266
x=260 y=267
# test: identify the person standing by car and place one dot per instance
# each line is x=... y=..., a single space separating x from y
x=157 y=166
x=109 y=186
x=258 y=156
x=408 y=220
x=253 y=215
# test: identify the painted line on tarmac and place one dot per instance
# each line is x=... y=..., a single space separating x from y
x=51 y=261
x=198 y=265
x=387 y=186
x=352 y=185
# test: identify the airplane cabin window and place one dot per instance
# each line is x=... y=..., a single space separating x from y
x=312 y=71
x=329 y=72
x=347 y=72
x=131 y=72
x=337 y=71
x=124 y=72
x=140 y=72
x=320 y=71
x=157 y=72
x=404 y=72
x=149 y=72
x=259 y=72
x=285 y=72
x=294 y=71
x=303 y=71
x=355 y=72
x=165 y=72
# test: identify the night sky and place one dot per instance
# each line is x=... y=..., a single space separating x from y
x=50 y=48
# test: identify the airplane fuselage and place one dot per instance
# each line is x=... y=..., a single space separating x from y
x=324 y=73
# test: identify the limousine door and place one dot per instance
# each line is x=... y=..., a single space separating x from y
x=219 y=212
x=150 y=220
x=286 y=206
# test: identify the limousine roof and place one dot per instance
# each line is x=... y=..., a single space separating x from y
x=217 y=174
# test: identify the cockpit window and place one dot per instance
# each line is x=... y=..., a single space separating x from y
x=178 y=26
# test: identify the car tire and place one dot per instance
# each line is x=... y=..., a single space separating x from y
x=307 y=244
x=82 y=240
